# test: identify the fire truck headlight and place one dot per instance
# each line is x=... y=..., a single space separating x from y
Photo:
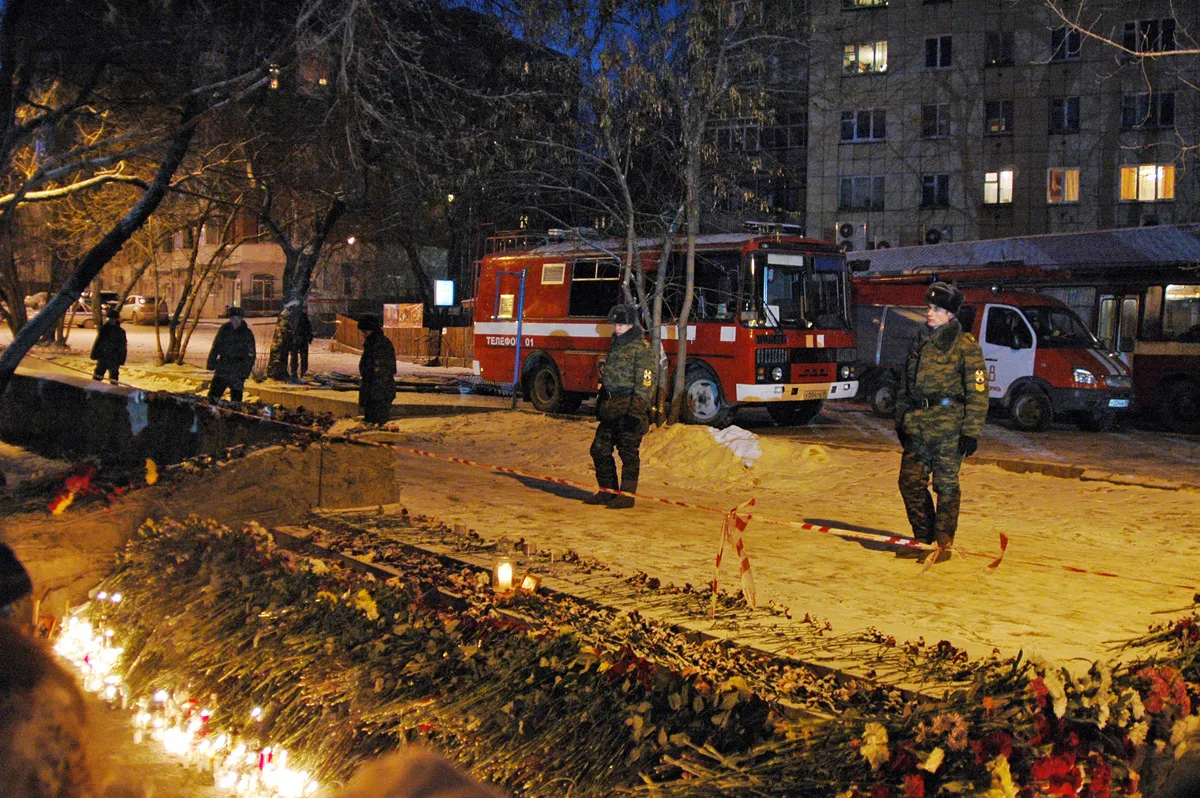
x=777 y=373
x=1083 y=376
x=846 y=372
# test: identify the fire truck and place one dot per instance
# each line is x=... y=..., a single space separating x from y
x=770 y=324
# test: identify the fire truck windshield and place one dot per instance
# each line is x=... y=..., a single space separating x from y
x=793 y=290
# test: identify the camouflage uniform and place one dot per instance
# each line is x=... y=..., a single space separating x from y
x=943 y=397
x=628 y=376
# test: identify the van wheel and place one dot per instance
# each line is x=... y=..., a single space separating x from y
x=1180 y=407
x=1031 y=411
x=546 y=389
x=704 y=402
x=787 y=414
x=883 y=400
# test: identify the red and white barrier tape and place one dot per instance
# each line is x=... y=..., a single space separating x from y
x=731 y=531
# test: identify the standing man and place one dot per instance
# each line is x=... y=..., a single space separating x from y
x=627 y=378
x=110 y=348
x=940 y=409
x=377 y=367
x=231 y=358
x=302 y=336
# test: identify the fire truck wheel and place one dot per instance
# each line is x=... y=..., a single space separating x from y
x=1031 y=411
x=789 y=414
x=705 y=402
x=1180 y=407
x=546 y=389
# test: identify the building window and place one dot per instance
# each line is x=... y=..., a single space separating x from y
x=1148 y=109
x=938 y=52
x=861 y=193
x=935 y=121
x=262 y=286
x=998 y=187
x=1064 y=114
x=998 y=118
x=1149 y=36
x=790 y=129
x=861 y=59
x=1148 y=183
x=867 y=125
x=1065 y=44
x=852 y=4
x=747 y=12
x=935 y=191
x=737 y=135
x=999 y=50
x=1062 y=186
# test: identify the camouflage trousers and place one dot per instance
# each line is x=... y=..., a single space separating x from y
x=625 y=433
x=938 y=457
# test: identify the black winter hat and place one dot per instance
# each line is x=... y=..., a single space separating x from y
x=235 y=310
x=623 y=314
x=944 y=296
x=14 y=579
x=369 y=323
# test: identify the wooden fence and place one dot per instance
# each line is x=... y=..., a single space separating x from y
x=452 y=346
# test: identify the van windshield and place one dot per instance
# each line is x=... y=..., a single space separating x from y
x=1060 y=328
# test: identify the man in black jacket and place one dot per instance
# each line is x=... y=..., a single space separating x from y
x=377 y=367
x=231 y=358
x=110 y=348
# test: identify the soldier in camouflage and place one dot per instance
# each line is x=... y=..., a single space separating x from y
x=940 y=409
x=626 y=398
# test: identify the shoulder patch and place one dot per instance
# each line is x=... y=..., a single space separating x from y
x=969 y=337
x=981 y=380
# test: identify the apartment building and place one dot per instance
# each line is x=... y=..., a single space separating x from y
x=955 y=120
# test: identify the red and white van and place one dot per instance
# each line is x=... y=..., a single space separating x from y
x=1043 y=362
x=770 y=323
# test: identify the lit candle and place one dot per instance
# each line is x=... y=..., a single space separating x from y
x=504 y=577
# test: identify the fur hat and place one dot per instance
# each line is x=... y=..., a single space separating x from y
x=944 y=296
x=370 y=322
x=235 y=310
x=623 y=314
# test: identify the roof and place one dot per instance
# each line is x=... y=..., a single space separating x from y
x=616 y=246
x=1159 y=245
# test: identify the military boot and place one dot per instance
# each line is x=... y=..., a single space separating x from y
x=621 y=503
x=600 y=497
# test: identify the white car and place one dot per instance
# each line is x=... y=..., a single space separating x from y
x=140 y=309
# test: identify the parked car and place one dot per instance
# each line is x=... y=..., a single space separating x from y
x=1042 y=360
x=140 y=309
x=81 y=311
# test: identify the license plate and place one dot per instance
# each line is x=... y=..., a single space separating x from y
x=1118 y=403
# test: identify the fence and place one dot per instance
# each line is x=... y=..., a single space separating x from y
x=453 y=346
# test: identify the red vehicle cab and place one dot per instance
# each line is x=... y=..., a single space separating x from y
x=1042 y=360
x=770 y=322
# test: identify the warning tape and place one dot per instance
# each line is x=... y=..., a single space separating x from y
x=731 y=531
x=851 y=534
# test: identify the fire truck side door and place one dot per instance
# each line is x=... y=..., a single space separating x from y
x=1009 y=348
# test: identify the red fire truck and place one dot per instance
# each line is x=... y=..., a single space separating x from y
x=770 y=322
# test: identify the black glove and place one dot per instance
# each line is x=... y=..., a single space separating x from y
x=903 y=437
x=967 y=445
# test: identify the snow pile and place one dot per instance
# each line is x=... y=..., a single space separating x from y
x=692 y=454
x=742 y=442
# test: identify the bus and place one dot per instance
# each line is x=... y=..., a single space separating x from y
x=770 y=326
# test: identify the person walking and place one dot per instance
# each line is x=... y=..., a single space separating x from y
x=377 y=367
x=627 y=376
x=231 y=358
x=302 y=336
x=110 y=348
x=940 y=410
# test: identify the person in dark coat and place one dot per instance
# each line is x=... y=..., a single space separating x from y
x=628 y=376
x=231 y=358
x=302 y=336
x=940 y=410
x=377 y=367
x=110 y=348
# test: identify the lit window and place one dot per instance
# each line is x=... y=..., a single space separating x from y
x=998 y=118
x=866 y=125
x=939 y=51
x=1148 y=183
x=1065 y=44
x=850 y=4
x=998 y=187
x=860 y=59
x=1062 y=186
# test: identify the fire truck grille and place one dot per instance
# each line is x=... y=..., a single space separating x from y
x=771 y=357
x=822 y=355
x=770 y=339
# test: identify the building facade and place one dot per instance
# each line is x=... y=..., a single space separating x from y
x=943 y=120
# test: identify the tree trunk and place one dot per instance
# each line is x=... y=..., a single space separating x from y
x=679 y=388
x=99 y=255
